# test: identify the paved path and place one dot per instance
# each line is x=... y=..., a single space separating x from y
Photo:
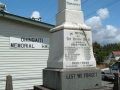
x=106 y=85
x=109 y=83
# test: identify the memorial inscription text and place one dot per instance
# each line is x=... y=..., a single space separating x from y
x=78 y=44
x=74 y=2
x=78 y=48
x=84 y=75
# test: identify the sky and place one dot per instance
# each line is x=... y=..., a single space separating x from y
x=103 y=16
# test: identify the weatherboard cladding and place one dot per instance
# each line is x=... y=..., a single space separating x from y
x=25 y=66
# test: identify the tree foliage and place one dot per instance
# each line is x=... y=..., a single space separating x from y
x=119 y=45
x=98 y=53
x=101 y=52
x=111 y=47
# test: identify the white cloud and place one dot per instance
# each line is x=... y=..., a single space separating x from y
x=35 y=14
x=103 y=13
x=118 y=38
x=110 y=31
x=95 y=23
x=110 y=34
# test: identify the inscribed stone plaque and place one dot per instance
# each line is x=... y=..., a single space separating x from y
x=78 y=48
x=69 y=4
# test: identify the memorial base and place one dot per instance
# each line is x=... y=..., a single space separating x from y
x=72 y=79
x=40 y=87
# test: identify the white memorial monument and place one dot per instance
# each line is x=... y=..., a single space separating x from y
x=71 y=39
x=71 y=64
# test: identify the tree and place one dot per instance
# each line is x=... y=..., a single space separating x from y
x=111 y=47
x=119 y=45
x=99 y=53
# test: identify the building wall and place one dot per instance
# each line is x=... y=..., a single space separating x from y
x=117 y=57
x=25 y=66
x=111 y=57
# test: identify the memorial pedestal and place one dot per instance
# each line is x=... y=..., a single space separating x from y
x=72 y=79
x=40 y=87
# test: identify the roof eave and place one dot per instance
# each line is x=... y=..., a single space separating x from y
x=26 y=20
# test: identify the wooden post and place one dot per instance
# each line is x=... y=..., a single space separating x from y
x=9 y=85
x=117 y=82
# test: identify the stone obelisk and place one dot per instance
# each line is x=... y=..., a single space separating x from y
x=71 y=41
x=71 y=64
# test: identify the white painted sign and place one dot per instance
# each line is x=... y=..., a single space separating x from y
x=29 y=43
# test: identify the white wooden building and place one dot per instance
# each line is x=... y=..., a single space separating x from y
x=24 y=49
x=114 y=55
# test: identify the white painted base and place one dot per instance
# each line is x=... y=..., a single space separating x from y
x=71 y=49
